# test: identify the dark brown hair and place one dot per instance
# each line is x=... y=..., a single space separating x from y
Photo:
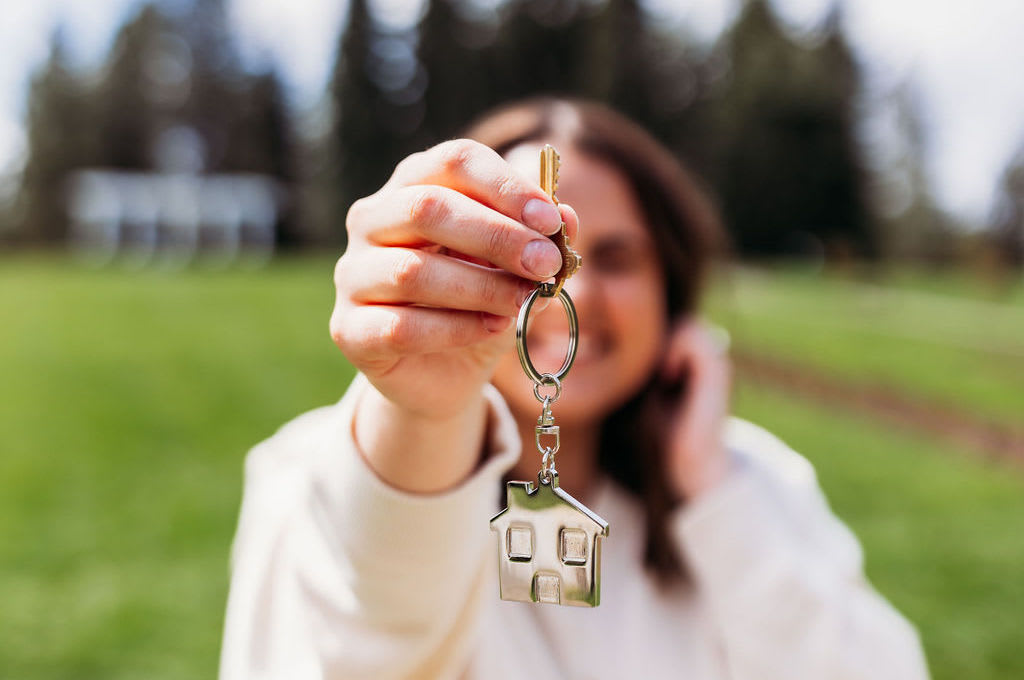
x=687 y=235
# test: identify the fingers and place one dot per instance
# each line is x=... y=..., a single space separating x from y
x=420 y=215
x=397 y=276
x=397 y=296
x=697 y=346
x=375 y=333
x=479 y=172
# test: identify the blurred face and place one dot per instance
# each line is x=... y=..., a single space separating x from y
x=619 y=295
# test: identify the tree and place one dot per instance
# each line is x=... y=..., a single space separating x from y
x=58 y=124
x=655 y=75
x=626 y=66
x=791 y=171
x=375 y=91
x=541 y=48
x=129 y=96
x=911 y=226
x=263 y=142
x=262 y=137
x=1008 y=215
x=459 y=84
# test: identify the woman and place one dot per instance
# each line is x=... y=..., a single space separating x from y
x=363 y=549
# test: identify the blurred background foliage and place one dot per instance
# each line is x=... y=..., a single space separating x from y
x=873 y=332
x=767 y=116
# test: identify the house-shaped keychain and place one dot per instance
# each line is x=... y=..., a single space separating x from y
x=549 y=546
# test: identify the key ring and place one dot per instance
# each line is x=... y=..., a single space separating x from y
x=524 y=352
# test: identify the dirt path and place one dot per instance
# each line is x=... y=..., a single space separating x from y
x=993 y=440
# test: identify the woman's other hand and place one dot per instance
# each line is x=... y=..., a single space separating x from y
x=696 y=456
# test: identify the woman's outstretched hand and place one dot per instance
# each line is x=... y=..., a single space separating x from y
x=439 y=261
x=697 y=459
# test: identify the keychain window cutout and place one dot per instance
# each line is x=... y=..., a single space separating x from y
x=520 y=543
x=574 y=546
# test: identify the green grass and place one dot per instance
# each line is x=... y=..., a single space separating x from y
x=128 y=401
x=941 y=530
x=929 y=338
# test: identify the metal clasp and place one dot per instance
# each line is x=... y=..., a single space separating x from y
x=546 y=428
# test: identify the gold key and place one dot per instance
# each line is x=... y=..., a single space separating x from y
x=571 y=260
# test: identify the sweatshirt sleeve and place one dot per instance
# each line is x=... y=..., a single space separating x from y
x=783 y=578
x=336 y=574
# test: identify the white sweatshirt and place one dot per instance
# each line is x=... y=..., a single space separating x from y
x=338 y=575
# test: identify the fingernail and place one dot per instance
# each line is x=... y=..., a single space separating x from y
x=495 y=323
x=541 y=258
x=542 y=216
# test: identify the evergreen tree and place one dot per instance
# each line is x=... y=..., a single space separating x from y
x=791 y=170
x=914 y=228
x=837 y=211
x=459 y=84
x=541 y=48
x=128 y=96
x=1008 y=215
x=625 y=36
x=655 y=76
x=262 y=136
x=527 y=48
x=58 y=125
x=264 y=143
x=218 y=84
x=375 y=121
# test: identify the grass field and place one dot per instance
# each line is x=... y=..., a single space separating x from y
x=128 y=400
x=943 y=341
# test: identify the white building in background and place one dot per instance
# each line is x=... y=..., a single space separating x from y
x=173 y=217
x=173 y=214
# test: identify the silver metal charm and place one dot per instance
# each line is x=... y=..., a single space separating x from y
x=549 y=544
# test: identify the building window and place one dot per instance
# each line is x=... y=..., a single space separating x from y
x=574 y=546
x=520 y=543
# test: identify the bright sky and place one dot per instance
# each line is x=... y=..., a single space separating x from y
x=964 y=58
